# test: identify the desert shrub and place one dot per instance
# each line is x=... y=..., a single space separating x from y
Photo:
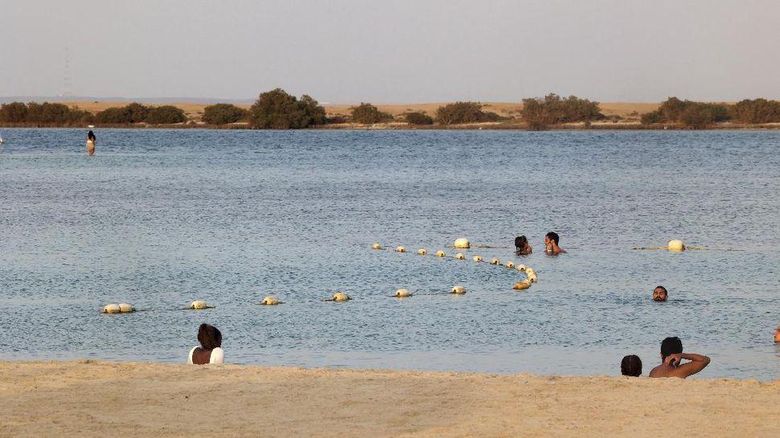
x=696 y=115
x=131 y=113
x=223 y=113
x=756 y=111
x=55 y=114
x=367 y=114
x=462 y=112
x=276 y=109
x=418 y=118
x=165 y=115
x=552 y=110
x=14 y=112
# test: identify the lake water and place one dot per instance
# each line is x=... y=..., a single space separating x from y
x=159 y=218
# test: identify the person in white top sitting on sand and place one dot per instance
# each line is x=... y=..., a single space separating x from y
x=210 y=350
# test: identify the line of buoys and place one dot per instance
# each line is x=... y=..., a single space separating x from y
x=495 y=261
x=422 y=251
x=400 y=249
x=118 y=308
x=509 y=265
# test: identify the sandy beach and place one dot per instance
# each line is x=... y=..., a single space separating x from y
x=143 y=399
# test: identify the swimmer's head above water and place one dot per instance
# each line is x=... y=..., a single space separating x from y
x=551 y=247
x=660 y=294
x=522 y=247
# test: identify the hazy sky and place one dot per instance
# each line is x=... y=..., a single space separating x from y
x=392 y=51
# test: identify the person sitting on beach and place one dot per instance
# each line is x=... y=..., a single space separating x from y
x=671 y=360
x=91 y=140
x=631 y=365
x=522 y=247
x=660 y=294
x=551 y=247
x=210 y=350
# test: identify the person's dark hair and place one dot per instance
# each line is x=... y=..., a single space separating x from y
x=209 y=337
x=661 y=287
x=672 y=345
x=91 y=135
x=631 y=365
x=520 y=242
x=553 y=236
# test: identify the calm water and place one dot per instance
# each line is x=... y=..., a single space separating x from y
x=160 y=218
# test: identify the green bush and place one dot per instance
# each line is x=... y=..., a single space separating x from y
x=276 y=109
x=14 y=112
x=165 y=115
x=55 y=114
x=418 y=118
x=131 y=113
x=463 y=112
x=223 y=113
x=756 y=111
x=553 y=110
x=367 y=114
x=696 y=115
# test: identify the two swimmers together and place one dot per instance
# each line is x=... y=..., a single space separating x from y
x=672 y=365
x=551 y=239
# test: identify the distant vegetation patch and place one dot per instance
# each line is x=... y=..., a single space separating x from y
x=367 y=114
x=276 y=109
x=46 y=114
x=223 y=113
x=540 y=113
x=418 y=118
x=464 y=112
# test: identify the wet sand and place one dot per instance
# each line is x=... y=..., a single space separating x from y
x=103 y=398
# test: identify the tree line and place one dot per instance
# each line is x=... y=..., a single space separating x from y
x=277 y=109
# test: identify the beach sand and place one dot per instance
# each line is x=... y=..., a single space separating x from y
x=102 y=398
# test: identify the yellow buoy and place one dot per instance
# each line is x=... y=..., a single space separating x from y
x=676 y=245
x=198 y=305
x=531 y=274
x=462 y=243
x=460 y=256
x=477 y=258
x=440 y=253
x=402 y=293
x=522 y=285
x=112 y=308
x=270 y=300
x=376 y=245
x=521 y=267
x=495 y=261
x=126 y=308
x=458 y=290
x=422 y=251
x=400 y=249
x=340 y=296
x=509 y=265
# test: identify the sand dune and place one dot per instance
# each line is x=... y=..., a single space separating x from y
x=99 y=399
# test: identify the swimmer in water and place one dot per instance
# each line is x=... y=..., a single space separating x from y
x=631 y=365
x=660 y=294
x=671 y=361
x=91 y=140
x=551 y=247
x=522 y=247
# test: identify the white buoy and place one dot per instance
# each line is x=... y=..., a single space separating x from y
x=402 y=293
x=477 y=258
x=676 y=245
x=376 y=245
x=460 y=256
x=495 y=261
x=440 y=253
x=462 y=243
x=340 y=296
x=112 y=308
x=521 y=267
x=126 y=308
x=509 y=265
x=458 y=290
x=531 y=274
x=198 y=305
x=270 y=300
x=422 y=251
x=400 y=249
x=522 y=285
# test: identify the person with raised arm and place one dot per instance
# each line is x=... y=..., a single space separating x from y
x=671 y=360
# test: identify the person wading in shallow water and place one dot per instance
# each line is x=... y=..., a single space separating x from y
x=522 y=247
x=91 y=140
x=671 y=361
